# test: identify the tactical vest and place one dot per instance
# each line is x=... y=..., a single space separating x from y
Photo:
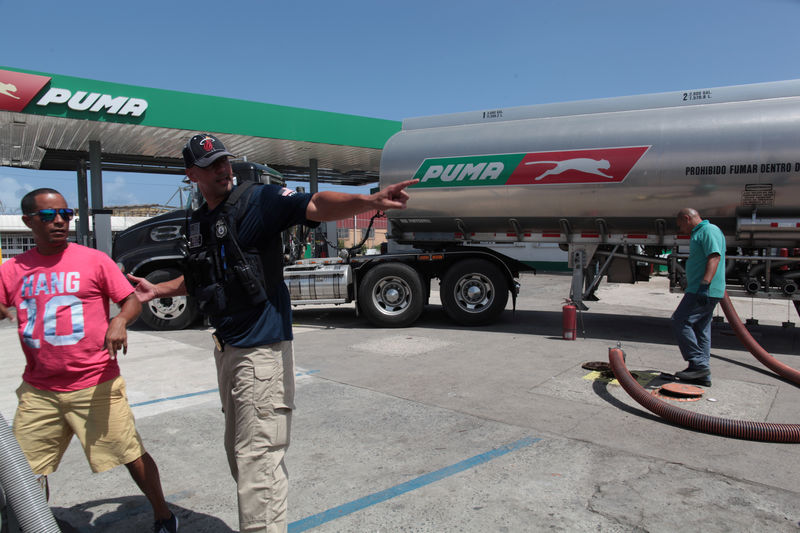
x=223 y=277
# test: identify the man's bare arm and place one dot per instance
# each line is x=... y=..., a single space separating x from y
x=146 y=291
x=711 y=268
x=6 y=314
x=331 y=205
x=117 y=332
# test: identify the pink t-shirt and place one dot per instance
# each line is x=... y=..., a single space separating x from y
x=62 y=314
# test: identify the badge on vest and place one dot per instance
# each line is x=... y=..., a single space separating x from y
x=195 y=237
x=220 y=229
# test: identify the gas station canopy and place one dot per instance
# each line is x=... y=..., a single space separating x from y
x=49 y=122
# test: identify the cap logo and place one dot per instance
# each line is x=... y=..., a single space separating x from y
x=207 y=143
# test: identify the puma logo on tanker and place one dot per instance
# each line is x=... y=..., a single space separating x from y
x=8 y=88
x=581 y=164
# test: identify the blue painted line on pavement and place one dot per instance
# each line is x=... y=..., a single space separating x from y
x=179 y=397
x=199 y=393
x=426 y=479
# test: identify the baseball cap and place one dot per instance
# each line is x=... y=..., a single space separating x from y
x=202 y=150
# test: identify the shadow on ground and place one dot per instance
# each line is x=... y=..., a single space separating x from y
x=611 y=327
x=130 y=514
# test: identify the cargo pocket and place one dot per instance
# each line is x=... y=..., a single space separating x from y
x=273 y=416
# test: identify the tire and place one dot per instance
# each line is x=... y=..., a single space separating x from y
x=391 y=295
x=474 y=292
x=163 y=314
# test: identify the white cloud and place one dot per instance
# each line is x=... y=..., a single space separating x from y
x=117 y=192
x=11 y=192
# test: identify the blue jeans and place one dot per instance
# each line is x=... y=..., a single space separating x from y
x=691 y=323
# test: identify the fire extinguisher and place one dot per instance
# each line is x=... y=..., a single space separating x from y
x=569 y=324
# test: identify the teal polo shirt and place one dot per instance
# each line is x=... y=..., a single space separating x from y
x=706 y=240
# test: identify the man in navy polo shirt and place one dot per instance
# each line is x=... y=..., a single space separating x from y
x=705 y=276
x=235 y=272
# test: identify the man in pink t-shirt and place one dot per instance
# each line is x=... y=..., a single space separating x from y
x=61 y=292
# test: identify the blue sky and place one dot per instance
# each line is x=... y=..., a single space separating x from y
x=393 y=60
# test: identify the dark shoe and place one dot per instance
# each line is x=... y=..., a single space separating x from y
x=705 y=382
x=688 y=374
x=170 y=525
x=697 y=376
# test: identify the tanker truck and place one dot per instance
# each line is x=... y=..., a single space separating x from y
x=598 y=181
x=602 y=180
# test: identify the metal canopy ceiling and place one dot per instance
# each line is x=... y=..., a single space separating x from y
x=50 y=143
x=346 y=148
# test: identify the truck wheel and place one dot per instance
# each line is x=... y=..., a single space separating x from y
x=390 y=295
x=177 y=312
x=474 y=292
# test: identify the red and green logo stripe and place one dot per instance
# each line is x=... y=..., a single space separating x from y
x=596 y=165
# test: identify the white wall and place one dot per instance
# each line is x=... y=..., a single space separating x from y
x=13 y=223
x=15 y=237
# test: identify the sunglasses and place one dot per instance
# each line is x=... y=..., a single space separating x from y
x=49 y=215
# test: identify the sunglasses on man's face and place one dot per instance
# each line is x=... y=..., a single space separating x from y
x=49 y=215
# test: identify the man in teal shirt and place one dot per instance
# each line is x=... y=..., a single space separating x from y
x=705 y=276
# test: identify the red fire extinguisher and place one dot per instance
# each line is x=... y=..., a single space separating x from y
x=784 y=252
x=568 y=321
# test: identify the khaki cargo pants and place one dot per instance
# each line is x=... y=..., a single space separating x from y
x=256 y=386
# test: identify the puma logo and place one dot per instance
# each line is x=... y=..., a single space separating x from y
x=8 y=88
x=581 y=164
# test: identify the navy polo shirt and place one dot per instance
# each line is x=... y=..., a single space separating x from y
x=270 y=210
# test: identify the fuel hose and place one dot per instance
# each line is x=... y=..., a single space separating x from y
x=741 y=429
x=750 y=343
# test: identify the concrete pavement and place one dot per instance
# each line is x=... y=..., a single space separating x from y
x=438 y=428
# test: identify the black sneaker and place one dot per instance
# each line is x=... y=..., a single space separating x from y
x=698 y=376
x=170 y=525
x=705 y=382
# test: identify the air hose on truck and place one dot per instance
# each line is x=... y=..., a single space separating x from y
x=23 y=493
x=742 y=429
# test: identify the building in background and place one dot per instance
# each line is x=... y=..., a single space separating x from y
x=145 y=210
x=16 y=238
x=350 y=231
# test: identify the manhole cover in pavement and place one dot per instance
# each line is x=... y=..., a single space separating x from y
x=679 y=392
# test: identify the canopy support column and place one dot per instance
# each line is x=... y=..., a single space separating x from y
x=101 y=216
x=82 y=229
